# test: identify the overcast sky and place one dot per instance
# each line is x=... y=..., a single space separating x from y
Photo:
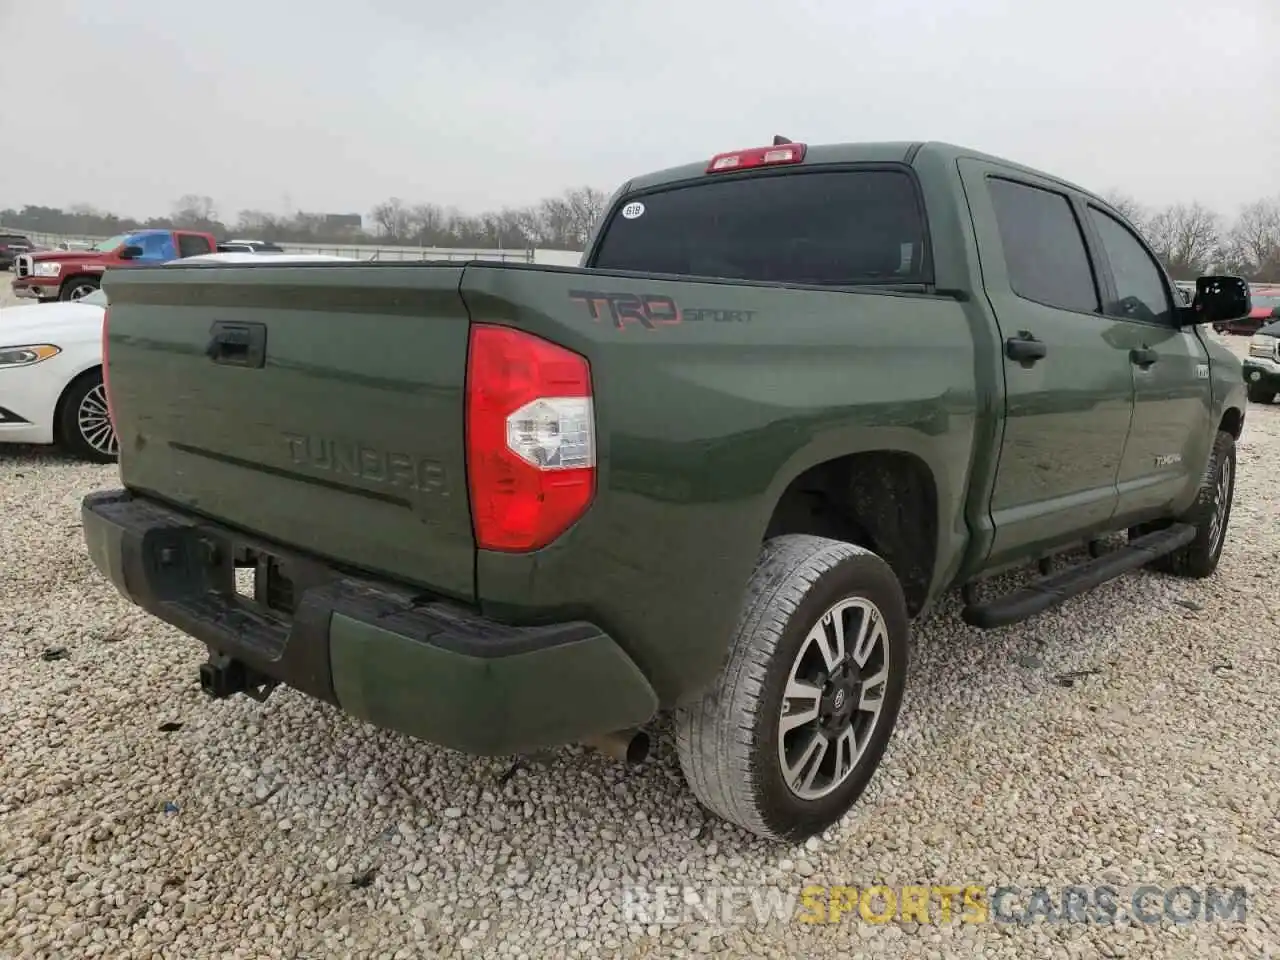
x=334 y=105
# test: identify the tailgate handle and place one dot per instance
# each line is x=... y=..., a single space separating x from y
x=238 y=344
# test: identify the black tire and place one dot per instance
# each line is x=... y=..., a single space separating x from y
x=729 y=741
x=83 y=437
x=1258 y=394
x=1199 y=558
x=73 y=288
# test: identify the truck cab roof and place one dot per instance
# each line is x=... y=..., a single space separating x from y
x=868 y=152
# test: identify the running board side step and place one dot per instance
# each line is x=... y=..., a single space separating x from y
x=1049 y=591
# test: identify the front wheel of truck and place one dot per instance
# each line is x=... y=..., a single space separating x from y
x=1210 y=515
x=77 y=288
x=789 y=736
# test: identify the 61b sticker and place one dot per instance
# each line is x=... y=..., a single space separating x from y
x=633 y=210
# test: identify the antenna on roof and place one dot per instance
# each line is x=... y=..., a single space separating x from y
x=779 y=140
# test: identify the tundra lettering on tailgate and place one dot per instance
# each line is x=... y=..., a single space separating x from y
x=651 y=310
x=367 y=463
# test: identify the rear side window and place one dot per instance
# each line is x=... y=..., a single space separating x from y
x=190 y=245
x=837 y=228
x=1043 y=247
x=1141 y=293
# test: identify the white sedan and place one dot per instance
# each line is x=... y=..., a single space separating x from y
x=51 y=377
x=51 y=368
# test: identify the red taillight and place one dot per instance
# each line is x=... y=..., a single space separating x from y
x=758 y=157
x=530 y=438
x=106 y=382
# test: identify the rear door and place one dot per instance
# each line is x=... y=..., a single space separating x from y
x=1173 y=427
x=1068 y=386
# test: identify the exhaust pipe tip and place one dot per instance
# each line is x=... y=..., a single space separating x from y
x=638 y=749
x=628 y=746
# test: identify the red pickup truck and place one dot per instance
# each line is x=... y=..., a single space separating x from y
x=1266 y=307
x=71 y=274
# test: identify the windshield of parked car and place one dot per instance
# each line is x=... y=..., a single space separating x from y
x=111 y=243
x=834 y=227
x=1265 y=300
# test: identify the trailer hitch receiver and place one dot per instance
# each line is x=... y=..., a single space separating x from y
x=222 y=677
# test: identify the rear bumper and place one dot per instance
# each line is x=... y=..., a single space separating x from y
x=380 y=651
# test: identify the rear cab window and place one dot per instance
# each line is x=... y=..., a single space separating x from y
x=192 y=245
x=829 y=227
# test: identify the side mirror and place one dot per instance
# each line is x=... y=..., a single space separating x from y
x=1220 y=300
x=131 y=252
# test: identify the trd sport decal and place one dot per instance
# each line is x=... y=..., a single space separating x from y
x=651 y=310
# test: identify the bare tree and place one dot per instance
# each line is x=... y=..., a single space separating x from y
x=567 y=220
x=256 y=223
x=1254 y=240
x=1128 y=207
x=587 y=206
x=195 y=212
x=1186 y=237
x=426 y=224
x=392 y=219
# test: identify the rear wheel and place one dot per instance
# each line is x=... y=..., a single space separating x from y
x=1258 y=394
x=788 y=738
x=84 y=426
x=78 y=287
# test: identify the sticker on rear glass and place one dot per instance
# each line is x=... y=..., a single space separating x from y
x=633 y=210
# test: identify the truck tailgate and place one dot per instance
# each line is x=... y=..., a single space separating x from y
x=318 y=406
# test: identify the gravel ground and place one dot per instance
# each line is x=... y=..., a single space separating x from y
x=138 y=819
x=7 y=299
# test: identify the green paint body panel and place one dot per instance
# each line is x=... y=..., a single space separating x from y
x=492 y=706
x=349 y=443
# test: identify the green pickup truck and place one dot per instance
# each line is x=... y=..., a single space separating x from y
x=793 y=396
